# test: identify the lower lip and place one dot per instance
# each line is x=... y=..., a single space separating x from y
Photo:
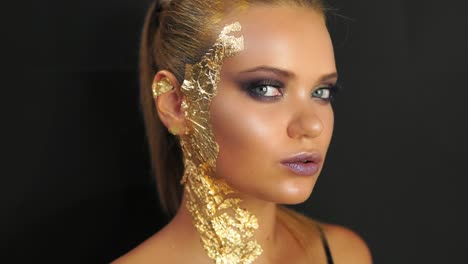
x=303 y=169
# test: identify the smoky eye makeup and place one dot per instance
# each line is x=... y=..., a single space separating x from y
x=263 y=89
x=270 y=88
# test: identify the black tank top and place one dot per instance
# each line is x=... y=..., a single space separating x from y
x=325 y=245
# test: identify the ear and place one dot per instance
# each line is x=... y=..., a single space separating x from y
x=169 y=104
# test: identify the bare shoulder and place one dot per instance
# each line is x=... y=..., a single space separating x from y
x=346 y=246
x=140 y=254
x=156 y=249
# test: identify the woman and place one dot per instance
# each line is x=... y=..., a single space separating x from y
x=236 y=97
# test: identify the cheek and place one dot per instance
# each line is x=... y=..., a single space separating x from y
x=329 y=123
x=244 y=134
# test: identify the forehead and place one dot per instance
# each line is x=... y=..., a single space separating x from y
x=292 y=38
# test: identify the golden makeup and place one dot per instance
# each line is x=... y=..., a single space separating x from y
x=162 y=86
x=226 y=230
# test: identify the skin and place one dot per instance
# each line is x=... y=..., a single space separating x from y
x=262 y=131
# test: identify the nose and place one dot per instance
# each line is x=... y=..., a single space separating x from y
x=305 y=124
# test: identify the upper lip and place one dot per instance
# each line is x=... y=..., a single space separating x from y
x=304 y=157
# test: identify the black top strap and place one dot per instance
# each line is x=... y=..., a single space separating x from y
x=325 y=245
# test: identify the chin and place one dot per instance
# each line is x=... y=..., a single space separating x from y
x=293 y=194
x=280 y=188
x=296 y=198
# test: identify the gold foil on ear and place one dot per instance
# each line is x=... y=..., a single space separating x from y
x=162 y=86
x=226 y=230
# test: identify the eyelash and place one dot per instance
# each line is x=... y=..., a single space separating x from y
x=250 y=88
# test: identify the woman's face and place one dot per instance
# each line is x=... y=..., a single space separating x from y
x=272 y=104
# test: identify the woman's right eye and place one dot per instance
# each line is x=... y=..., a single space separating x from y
x=265 y=89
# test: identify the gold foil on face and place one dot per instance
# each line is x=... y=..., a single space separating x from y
x=226 y=230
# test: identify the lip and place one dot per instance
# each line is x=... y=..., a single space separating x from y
x=304 y=164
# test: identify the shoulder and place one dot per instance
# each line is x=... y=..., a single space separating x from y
x=141 y=254
x=346 y=246
x=159 y=248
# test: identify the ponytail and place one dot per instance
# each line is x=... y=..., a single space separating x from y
x=164 y=148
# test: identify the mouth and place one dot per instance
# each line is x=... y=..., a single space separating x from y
x=304 y=164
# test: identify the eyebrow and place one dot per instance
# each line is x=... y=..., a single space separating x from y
x=289 y=74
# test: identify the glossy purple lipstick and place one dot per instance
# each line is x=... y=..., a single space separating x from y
x=304 y=164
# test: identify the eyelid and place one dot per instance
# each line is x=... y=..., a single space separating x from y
x=268 y=82
x=248 y=85
x=335 y=87
x=327 y=84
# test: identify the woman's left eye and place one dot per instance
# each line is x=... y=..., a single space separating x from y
x=325 y=93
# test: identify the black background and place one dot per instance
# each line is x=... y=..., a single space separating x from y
x=76 y=186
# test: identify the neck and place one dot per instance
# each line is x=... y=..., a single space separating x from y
x=265 y=235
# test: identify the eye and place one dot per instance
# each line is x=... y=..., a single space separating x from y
x=265 y=89
x=325 y=92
